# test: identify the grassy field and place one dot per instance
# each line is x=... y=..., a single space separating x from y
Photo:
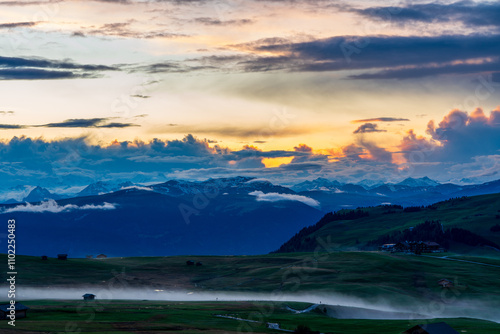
x=406 y=281
x=101 y=317
x=366 y=275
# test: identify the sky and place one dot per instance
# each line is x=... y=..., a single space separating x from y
x=286 y=90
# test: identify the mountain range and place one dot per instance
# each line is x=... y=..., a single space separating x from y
x=331 y=194
x=238 y=215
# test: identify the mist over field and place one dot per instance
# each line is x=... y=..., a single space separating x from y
x=341 y=306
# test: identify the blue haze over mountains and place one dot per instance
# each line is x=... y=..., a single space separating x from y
x=231 y=216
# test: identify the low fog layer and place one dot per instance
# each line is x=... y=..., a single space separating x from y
x=353 y=308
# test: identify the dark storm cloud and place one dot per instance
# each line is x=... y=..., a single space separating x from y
x=471 y=14
x=17 y=68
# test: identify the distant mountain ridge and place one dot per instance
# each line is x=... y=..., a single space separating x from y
x=100 y=188
x=138 y=222
x=237 y=215
x=39 y=194
x=331 y=195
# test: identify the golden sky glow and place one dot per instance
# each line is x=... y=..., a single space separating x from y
x=236 y=73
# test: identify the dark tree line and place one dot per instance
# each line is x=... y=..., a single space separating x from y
x=434 y=231
x=413 y=208
x=428 y=231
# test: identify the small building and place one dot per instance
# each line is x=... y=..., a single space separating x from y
x=273 y=325
x=402 y=247
x=44 y=257
x=199 y=264
x=417 y=247
x=62 y=256
x=189 y=263
x=387 y=247
x=445 y=283
x=101 y=256
x=430 y=247
x=20 y=311
x=437 y=328
x=88 y=256
x=88 y=296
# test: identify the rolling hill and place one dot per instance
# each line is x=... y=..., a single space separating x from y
x=342 y=230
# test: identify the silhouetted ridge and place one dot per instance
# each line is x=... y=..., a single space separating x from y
x=296 y=244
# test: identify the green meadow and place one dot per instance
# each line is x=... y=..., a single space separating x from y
x=408 y=281
x=100 y=317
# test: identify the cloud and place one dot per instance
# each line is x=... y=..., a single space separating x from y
x=137 y=188
x=469 y=13
x=381 y=119
x=368 y=127
x=28 y=3
x=85 y=123
x=17 y=68
x=216 y=22
x=11 y=126
x=303 y=148
x=53 y=207
x=375 y=152
x=17 y=25
x=463 y=135
x=432 y=70
x=35 y=74
x=462 y=143
x=276 y=197
x=242 y=131
x=123 y=29
x=75 y=162
x=376 y=57
x=74 y=123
